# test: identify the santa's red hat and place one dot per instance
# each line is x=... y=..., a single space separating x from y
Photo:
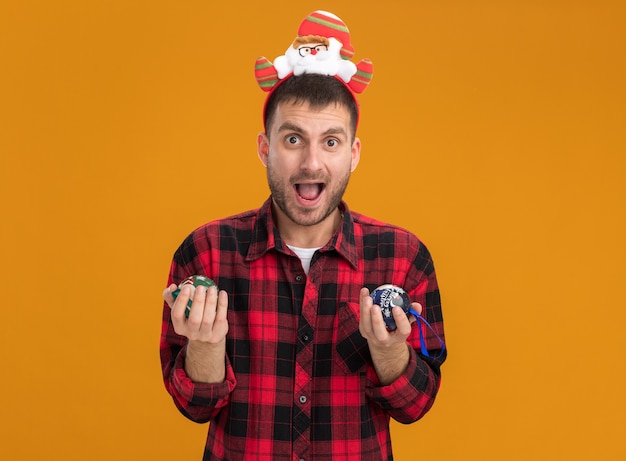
x=326 y=24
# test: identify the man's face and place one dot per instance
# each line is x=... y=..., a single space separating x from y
x=309 y=155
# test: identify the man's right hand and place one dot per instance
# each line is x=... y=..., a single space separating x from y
x=205 y=327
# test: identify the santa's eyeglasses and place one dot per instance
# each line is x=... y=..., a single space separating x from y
x=306 y=50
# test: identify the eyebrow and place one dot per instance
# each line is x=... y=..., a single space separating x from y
x=289 y=126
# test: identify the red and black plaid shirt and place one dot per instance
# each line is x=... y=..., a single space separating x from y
x=299 y=378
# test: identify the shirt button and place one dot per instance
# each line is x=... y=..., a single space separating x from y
x=302 y=399
x=298 y=278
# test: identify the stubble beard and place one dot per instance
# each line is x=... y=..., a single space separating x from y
x=295 y=213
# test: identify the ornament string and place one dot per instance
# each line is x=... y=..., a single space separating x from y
x=421 y=320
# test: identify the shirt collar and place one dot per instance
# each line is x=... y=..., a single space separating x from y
x=265 y=236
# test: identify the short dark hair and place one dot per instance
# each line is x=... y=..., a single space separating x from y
x=317 y=90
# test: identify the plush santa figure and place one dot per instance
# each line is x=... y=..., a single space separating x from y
x=321 y=47
x=314 y=54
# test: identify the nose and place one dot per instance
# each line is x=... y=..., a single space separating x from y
x=313 y=51
x=311 y=158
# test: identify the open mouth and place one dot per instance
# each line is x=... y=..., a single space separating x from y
x=309 y=191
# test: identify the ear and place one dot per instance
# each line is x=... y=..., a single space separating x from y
x=263 y=147
x=356 y=154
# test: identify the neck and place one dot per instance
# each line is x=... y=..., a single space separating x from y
x=313 y=236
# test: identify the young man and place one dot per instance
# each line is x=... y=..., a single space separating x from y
x=291 y=360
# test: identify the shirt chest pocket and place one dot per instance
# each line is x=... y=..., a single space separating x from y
x=353 y=354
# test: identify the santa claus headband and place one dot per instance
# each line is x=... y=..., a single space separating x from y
x=322 y=46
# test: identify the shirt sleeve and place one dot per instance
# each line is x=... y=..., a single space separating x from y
x=409 y=397
x=199 y=402
x=412 y=395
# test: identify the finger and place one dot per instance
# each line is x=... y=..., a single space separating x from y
x=178 y=308
x=379 y=328
x=222 y=305
x=220 y=324
x=366 y=303
x=417 y=307
x=402 y=321
x=364 y=293
x=167 y=295
x=210 y=306
x=196 y=312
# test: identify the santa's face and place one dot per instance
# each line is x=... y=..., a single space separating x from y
x=311 y=50
x=310 y=53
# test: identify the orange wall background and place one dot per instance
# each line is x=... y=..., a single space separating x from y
x=492 y=129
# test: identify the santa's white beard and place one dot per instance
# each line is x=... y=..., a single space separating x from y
x=321 y=63
x=328 y=62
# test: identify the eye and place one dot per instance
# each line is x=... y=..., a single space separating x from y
x=293 y=139
x=332 y=143
x=304 y=50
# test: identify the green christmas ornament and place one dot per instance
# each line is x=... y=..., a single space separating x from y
x=195 y=281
